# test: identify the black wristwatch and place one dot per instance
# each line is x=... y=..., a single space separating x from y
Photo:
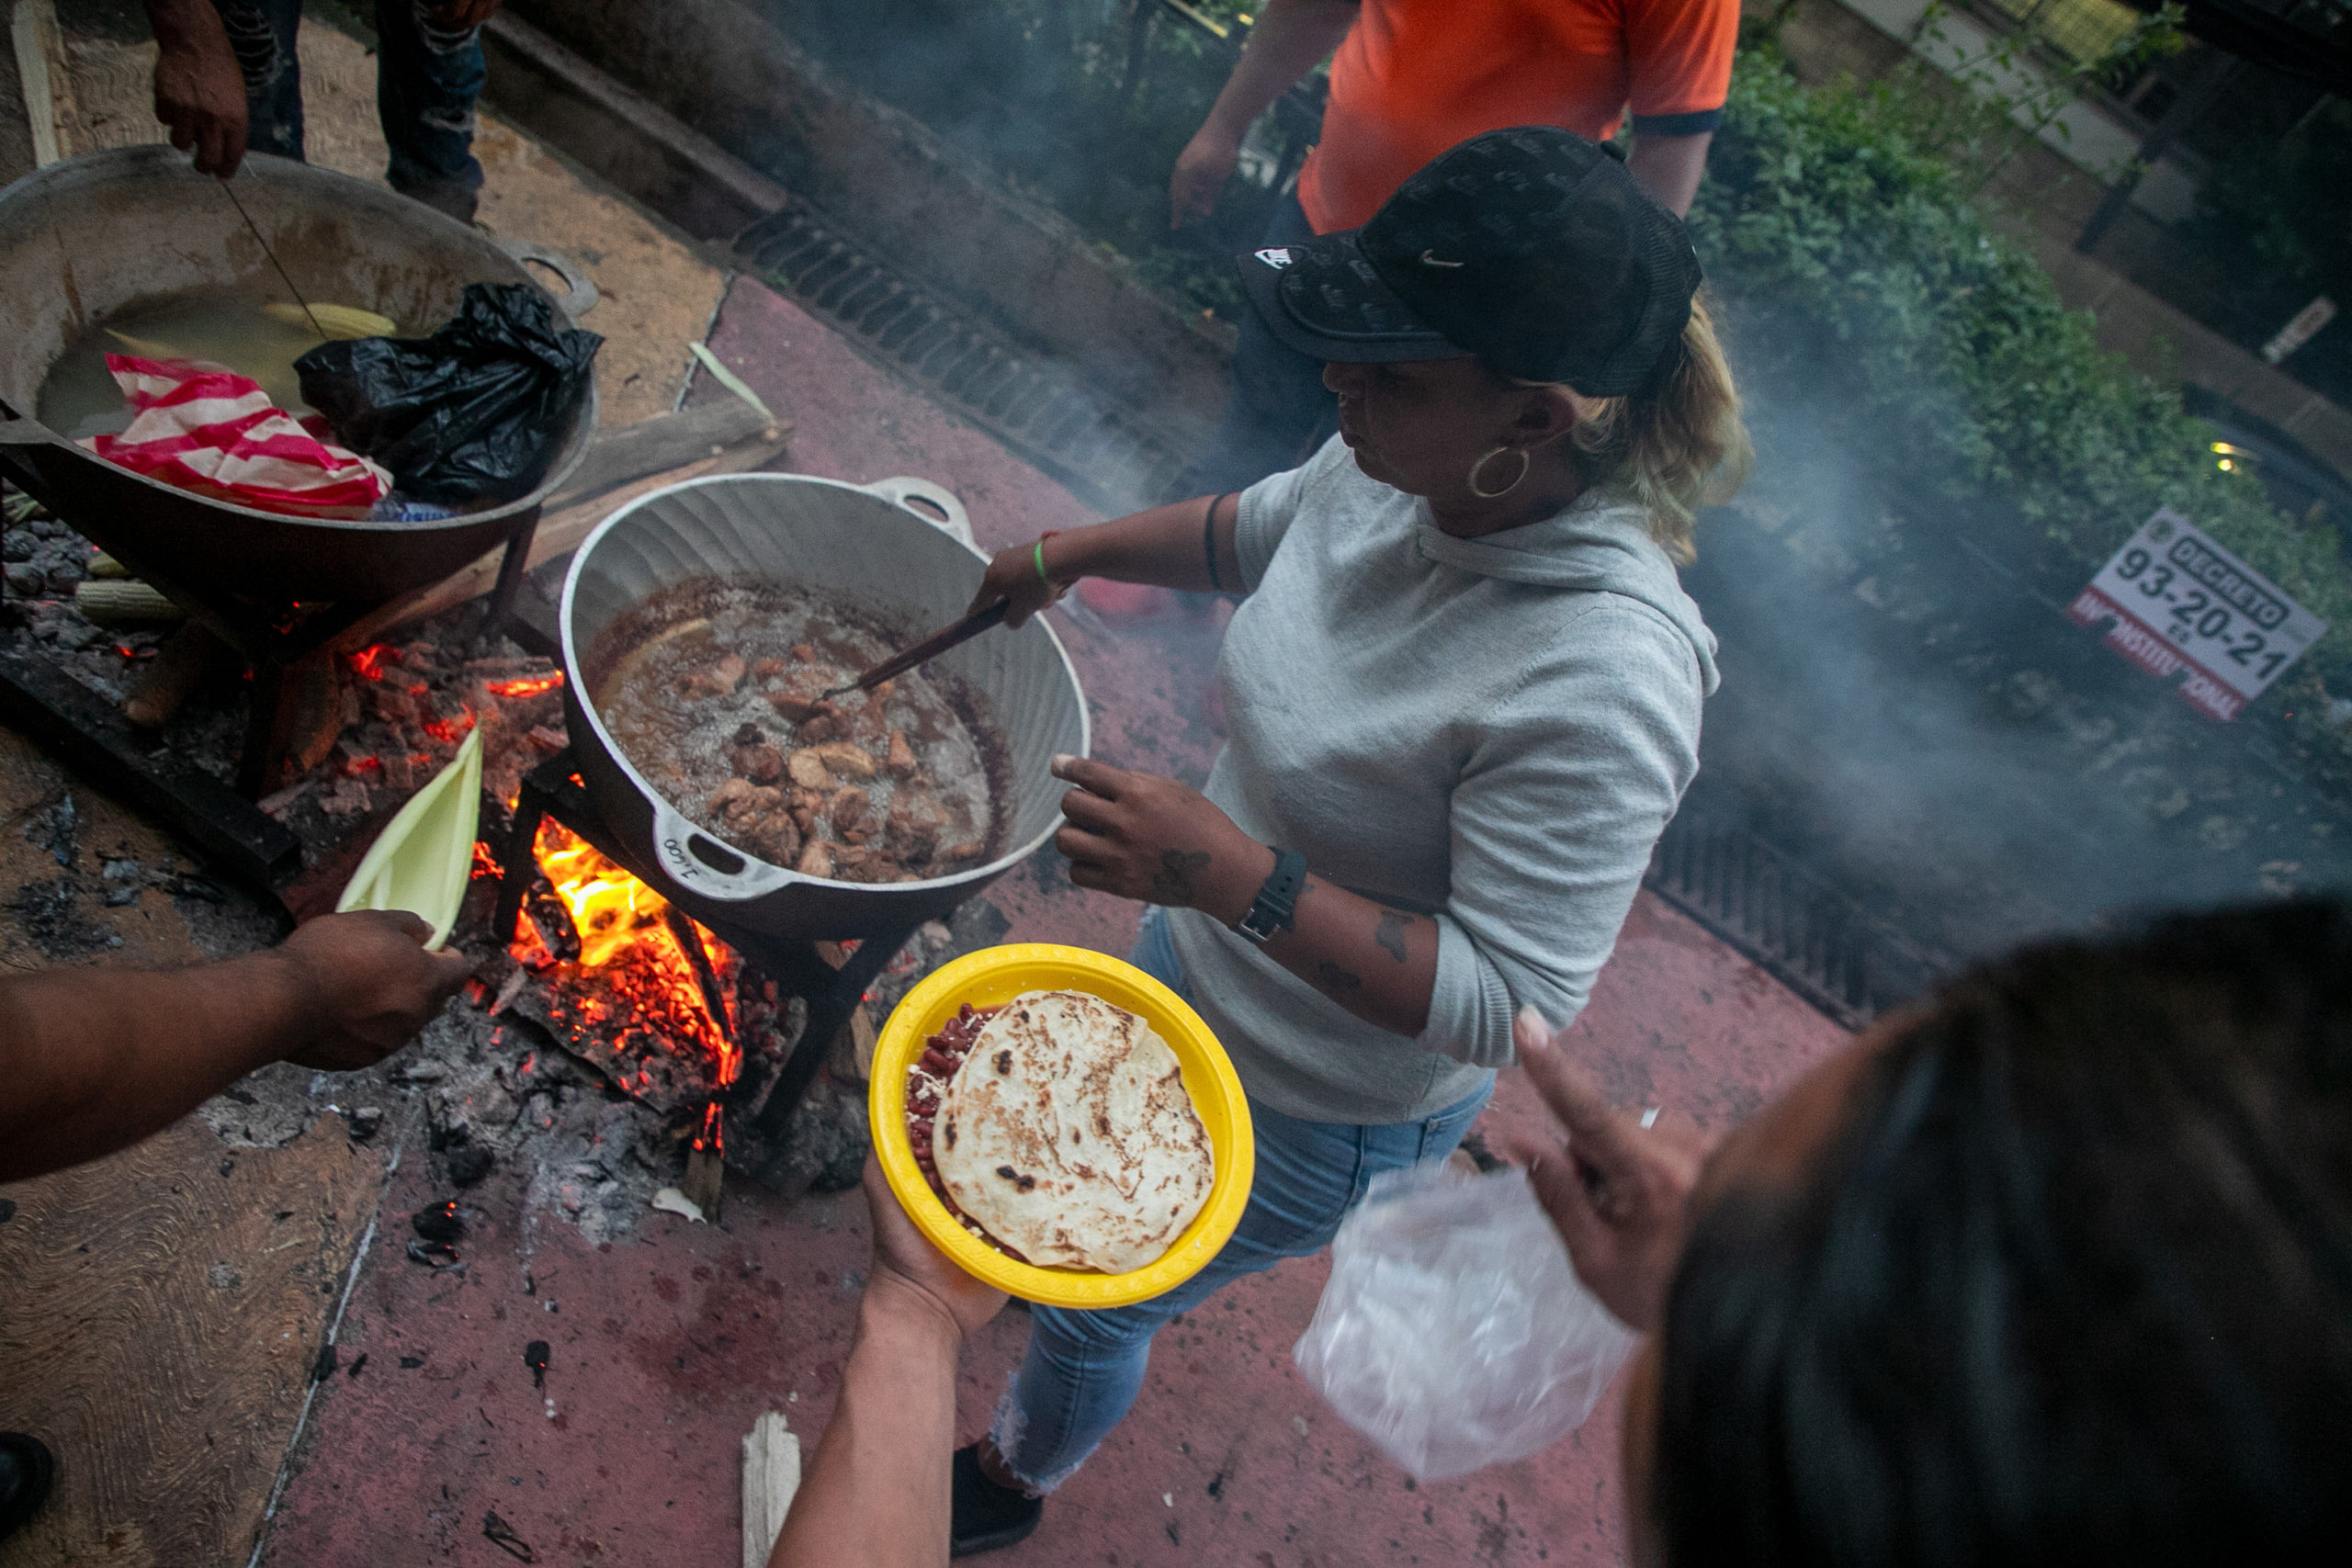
x=1277 y=901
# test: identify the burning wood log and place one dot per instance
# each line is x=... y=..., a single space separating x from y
x=179 y=667
x=706 y=1163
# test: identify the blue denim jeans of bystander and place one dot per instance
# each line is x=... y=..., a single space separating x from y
x=427 y=78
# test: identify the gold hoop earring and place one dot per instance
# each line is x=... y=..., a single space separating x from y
x=1525 y=463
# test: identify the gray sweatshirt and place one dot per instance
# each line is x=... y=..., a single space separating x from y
x=1489 y=731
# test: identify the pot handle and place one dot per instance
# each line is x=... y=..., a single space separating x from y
x=580 y=296
x=938 y=498
x=709 y=867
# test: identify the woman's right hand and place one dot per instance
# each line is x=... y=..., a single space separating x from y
x=1012 y=576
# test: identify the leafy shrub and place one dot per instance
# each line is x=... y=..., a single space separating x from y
x=1852 y=254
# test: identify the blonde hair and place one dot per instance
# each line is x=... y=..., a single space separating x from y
x=1675 y=449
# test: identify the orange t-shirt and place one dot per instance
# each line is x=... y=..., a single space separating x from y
x=1415 y=77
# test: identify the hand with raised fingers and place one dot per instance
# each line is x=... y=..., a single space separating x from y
x=1618 y=1192
x=368 y=985
x=904 y=1259
x=1140 y=835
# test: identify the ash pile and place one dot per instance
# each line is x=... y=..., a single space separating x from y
x=506 y=1092
x=589 y=1085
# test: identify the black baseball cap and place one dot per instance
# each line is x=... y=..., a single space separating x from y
x=1529 y=247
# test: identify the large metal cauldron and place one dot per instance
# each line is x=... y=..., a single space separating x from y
x=89 y=238
x=865 y=547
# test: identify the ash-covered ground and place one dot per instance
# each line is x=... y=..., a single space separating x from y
x=490 y=1084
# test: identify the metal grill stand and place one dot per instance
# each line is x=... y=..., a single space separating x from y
x=831 y=995
x=93 y=737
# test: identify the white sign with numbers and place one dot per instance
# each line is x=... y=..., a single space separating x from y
x=2183 y=605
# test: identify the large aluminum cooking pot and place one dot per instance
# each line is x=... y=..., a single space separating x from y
x=864 y=545
x=92 y=237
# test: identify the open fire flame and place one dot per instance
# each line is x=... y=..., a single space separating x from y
x=631 y=941
x=628 y=934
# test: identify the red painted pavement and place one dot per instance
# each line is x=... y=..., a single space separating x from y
x=665 y=1346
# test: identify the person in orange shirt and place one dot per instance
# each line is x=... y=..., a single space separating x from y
x=1409 y=79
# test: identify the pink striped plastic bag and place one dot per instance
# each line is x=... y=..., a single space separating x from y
x=202 y=428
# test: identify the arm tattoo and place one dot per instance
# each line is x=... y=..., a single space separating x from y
x=1331 y=978
x=1173 y=883
x=1390 y=932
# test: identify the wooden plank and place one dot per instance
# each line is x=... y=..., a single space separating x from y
x=771 y=1480
x=652 y=445
x=165 y=1308
x=558 y=534
x=91 y=736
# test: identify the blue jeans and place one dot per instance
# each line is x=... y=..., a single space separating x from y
x=1279 y=411
x=1084 y=1369
x=427 y=78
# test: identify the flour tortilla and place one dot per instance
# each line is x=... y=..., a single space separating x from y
x=1066 y=1133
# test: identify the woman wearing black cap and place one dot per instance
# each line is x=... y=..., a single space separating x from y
x=1463 y=697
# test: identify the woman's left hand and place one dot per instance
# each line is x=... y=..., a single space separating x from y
x=1143 y=837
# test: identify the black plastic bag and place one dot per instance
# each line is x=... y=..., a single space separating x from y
x=473 y=413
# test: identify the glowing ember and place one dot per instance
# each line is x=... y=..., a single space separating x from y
x=529 y=686
x=649 y=982
x=709 y=1136
x=368 y=663
x=449 y=731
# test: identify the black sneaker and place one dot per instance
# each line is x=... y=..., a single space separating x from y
x=985 y=1516
x=25 y=1471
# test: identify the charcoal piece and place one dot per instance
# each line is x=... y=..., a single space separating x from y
x=62 y=824
x=8 y=1209
x=357 y=1362
x=439 y=1222
x=410 y=1363
x=552 y=919
x=432 y=1254
x=502 y=1535
x=365 y=1122
x=535 y=1356
x=323 y=1368
x=203 y=889
x=469 y=1165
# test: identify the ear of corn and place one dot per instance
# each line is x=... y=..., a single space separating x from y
x=334 y=321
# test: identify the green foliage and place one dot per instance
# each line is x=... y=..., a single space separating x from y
x=1862 y=275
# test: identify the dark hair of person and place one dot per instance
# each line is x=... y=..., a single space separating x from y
x=2072 y=1285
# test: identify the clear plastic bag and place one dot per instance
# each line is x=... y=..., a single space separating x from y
x=1454 y=1332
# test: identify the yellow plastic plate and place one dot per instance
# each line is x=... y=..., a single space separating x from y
x=424 y=857
x=995 y=975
